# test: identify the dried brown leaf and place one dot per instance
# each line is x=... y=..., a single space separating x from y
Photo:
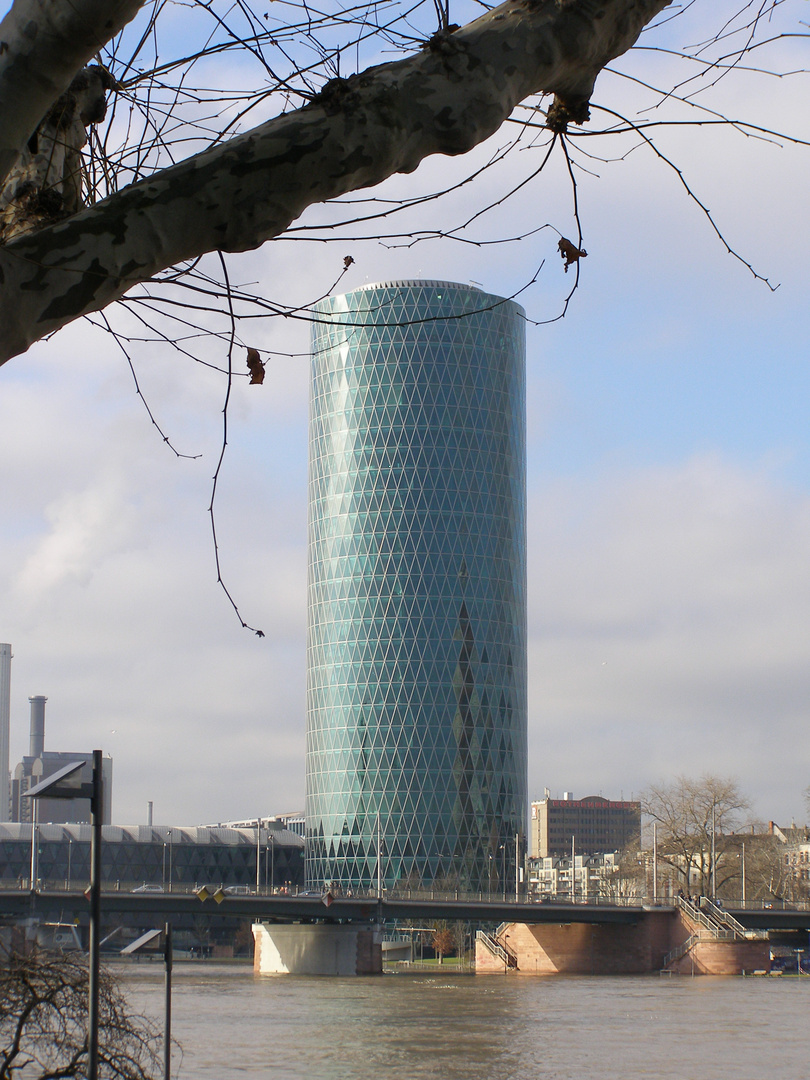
x=255 y=366
x=570 y=252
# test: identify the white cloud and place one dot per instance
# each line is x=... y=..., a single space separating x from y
x=669 y=627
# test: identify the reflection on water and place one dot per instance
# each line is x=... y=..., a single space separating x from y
x=419 y=1027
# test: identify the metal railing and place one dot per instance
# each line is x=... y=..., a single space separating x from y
x=693 y=939
x=500 y=952
x=699 y=916
x=727 y=919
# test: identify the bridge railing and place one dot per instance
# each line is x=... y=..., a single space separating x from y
x=75 y=884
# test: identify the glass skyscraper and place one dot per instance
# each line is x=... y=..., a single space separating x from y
x=416 y=646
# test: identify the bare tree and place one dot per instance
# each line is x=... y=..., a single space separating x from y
x=331 y=133
x=697 y=820
x=43 y=1023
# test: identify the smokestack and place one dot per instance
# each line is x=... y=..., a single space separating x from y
x=149 y=808
x=36 y=744
x=5 y=712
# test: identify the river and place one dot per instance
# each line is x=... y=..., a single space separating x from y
x=233 y=1024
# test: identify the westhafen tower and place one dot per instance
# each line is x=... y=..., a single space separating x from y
x=416 y=643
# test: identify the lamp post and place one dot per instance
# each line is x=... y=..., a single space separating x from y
x=517 y=867
x=258 y=854
x=34 y=822
x=149 y=938
x=272 y=862
x=65 y=783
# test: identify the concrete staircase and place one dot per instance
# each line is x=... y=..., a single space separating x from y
x=710 y=925
x=498 y=951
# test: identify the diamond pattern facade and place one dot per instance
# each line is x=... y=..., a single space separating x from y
x=416 y=651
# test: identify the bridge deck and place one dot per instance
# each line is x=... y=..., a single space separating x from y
x=18 y=904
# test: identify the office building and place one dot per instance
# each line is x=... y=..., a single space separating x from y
x=416 y=650
x=593 y=824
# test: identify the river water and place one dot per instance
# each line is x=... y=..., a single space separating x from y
x=234 y=1024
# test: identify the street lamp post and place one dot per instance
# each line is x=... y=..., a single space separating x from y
x=65 y=783
x=258 y=854
x=272 y=863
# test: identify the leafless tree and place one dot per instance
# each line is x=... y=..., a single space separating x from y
x=697 y=820
x=181 y=178
x=43 y=1023
x=142 y=142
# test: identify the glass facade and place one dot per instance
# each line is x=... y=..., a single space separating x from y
x=416 y=645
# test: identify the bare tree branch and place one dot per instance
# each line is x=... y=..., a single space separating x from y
x=446 y=99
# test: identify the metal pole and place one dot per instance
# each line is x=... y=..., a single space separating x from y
x=714 y=874
x=70 y=850
x=742 y=871
x=34 y=817
x=167 y=1041
x=96 y=811
x=573 y=871
x=272 y=862
x=655 y=860
x=517 y=868
x=171 y=838
x=379 y=859
x=258 y=854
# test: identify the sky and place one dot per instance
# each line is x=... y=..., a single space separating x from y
x=668 y=487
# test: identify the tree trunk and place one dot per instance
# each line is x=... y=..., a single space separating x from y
x=445 y=99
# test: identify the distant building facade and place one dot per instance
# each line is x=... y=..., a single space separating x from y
x=593 y=824
x=167 y=858
x=416 y=755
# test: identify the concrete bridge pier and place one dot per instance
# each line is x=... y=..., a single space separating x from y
x=316 y=949
x=660 y=939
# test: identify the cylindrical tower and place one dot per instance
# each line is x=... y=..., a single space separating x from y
x=36 y=733
x=416 y=645
x=5 y=713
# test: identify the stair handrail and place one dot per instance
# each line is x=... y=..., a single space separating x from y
x=697 y=915
x=499 y=951
x=724 y=917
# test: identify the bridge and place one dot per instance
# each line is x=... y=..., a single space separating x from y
x=159 y=906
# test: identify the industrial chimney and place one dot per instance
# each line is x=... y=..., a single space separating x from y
x=36 y=744
x=5 y=712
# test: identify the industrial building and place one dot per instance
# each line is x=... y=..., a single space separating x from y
x=416 y=652
x=39 y=763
